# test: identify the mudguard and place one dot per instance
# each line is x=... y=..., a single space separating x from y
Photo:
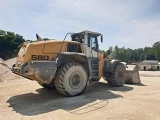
x=66 y=57
x=108 y=66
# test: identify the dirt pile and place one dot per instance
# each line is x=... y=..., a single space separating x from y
x=5 y=70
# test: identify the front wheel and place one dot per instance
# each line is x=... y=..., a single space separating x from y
x=118 y=75
x=71 y=79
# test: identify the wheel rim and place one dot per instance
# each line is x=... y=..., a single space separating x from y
x=120 y=73
x=75 y=80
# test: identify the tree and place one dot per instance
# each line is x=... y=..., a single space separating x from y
x=115 y=52
x=149 y=53
x=10 y=44
x=156 y=49
x=2 y=32
x=140 y=54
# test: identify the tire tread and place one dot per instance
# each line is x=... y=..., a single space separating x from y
x=60 y=77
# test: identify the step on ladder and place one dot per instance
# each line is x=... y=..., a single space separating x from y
x=94 y=69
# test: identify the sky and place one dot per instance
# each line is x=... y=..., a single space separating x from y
x=125 y=23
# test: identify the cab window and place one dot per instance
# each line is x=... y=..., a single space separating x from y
x=92 y=42
x=74 y=48
x=78 y=37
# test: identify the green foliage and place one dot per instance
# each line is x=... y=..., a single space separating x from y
x=147 y=53
x=9 y=44
x=156 y=50
x=2 y=32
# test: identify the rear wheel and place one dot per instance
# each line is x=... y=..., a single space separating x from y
x=118 y=76
x=71 y=79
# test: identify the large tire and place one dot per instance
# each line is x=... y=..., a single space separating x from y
x=118 y=76
x=48 y=86
x=71 y=79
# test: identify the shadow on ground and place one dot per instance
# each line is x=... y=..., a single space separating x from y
x=49 y=100
x=139 y=84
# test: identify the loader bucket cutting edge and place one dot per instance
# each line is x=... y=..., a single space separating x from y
x=132 y=76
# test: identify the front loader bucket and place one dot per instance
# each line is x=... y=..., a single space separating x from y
x=132 y=76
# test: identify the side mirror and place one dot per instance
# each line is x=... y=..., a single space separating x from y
x=101 y=39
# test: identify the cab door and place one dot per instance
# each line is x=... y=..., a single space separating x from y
x=91 y=46
x=92 y=55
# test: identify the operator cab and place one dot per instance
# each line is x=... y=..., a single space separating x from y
x=89 y=41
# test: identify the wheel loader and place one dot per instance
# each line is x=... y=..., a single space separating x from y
x=70 y=65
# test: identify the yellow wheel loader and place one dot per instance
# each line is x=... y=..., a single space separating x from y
x=69 y=65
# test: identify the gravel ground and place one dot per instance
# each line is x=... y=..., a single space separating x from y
x=5 y=70
x=22 y=99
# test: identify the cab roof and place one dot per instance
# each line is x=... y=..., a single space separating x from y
x=89 y=32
